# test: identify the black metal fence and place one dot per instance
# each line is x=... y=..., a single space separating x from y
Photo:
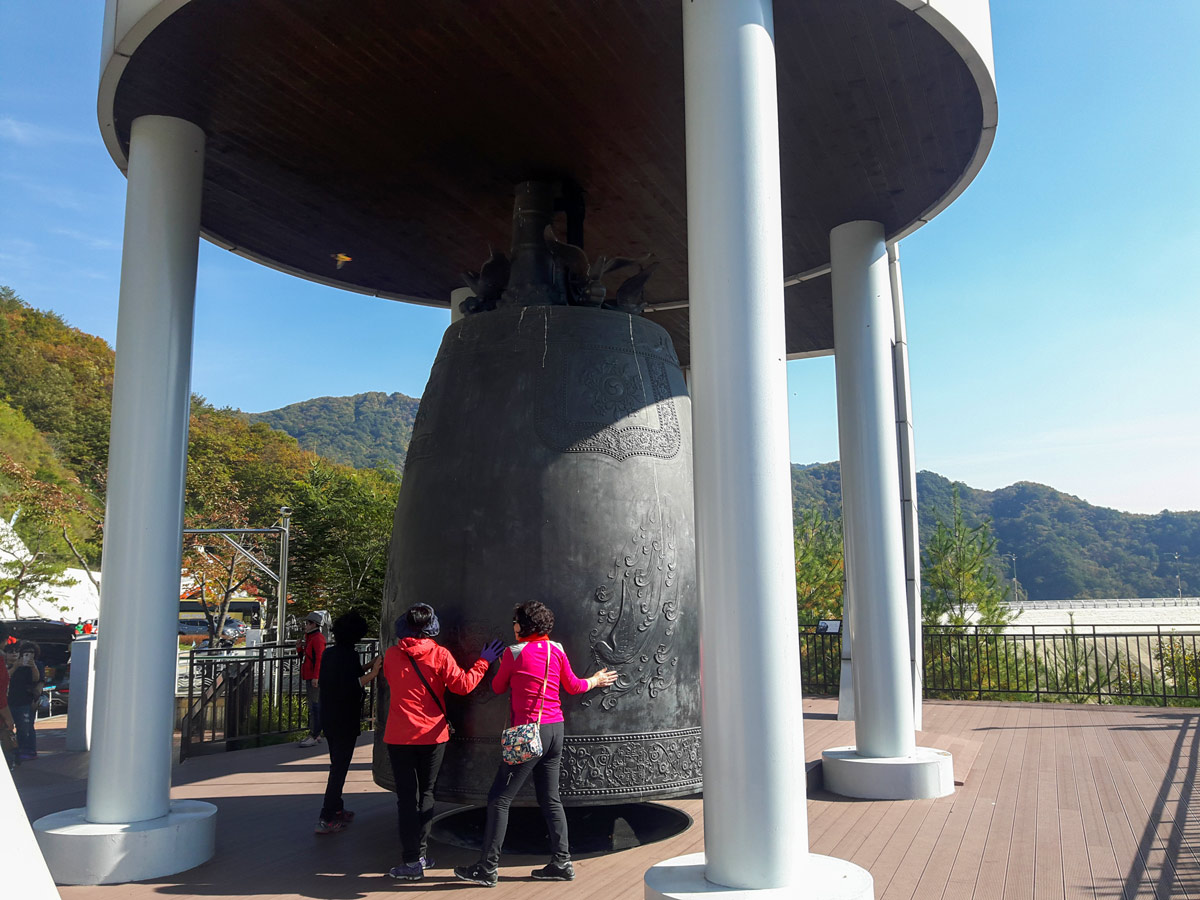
x=247 y=697
x=251 y=696
x=1124 y=664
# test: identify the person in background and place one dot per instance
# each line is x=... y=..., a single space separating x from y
x=311 y=648
x=534 y=668
x=24 y=691
x=8 y=737
x=342 y=679
x=419 y=671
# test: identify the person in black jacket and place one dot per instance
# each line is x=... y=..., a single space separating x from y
x=341 y=680
x=25 y=683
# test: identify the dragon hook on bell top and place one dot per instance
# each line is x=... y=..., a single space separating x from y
x=544 y=271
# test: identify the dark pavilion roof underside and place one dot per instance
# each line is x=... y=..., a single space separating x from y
x=393 y=131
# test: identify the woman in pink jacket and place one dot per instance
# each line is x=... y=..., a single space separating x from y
x=534 y=668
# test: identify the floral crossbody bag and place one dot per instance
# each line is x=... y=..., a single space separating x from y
x=521 y=743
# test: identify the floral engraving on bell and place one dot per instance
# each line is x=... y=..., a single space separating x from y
x=609 y=401
x=622 y=764
x=637 y=614
x=616 y=391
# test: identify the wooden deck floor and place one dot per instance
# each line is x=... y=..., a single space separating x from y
x=1055 y=802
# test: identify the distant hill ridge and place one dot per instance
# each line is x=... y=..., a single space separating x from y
x=55 y=383
x=1065 y=547
x=367 y=431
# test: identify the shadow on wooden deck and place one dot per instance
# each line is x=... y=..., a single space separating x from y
x=1054 y=801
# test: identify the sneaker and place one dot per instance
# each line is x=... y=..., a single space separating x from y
x=329 y=826
x=344 y=815
x=565 y=872
x=309 y=741
x=407 y=872
x=476 y=874
x=427 y=863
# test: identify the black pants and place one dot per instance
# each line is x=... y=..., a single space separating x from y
x=415 y=771
x=341 y=751
x=509 y=781
x=313 y=693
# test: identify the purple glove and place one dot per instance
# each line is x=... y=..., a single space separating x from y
x=491 y=651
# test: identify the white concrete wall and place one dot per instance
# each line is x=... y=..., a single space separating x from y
x=1112 y=615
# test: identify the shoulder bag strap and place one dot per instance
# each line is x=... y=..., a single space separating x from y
x=427 y=687
x=545 y=678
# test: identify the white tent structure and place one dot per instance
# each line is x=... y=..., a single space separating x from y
x=79 y=600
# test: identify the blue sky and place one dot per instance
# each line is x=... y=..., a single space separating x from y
x=1053 y=310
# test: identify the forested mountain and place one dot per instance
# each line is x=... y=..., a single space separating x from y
x=55 y=403
x=1065 y=547
x=369 y=430
x=55 y=382
x=55 y=389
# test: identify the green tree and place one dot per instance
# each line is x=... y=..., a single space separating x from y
x=60 y=379
x=819 y=567
x=341 y=528
x=28 y=564
x=958 y=576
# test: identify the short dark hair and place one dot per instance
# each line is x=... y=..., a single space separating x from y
x=349 y=628
x=419 y=616
x=533 y=618
x=29 y=647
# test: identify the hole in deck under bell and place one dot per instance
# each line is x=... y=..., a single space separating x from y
x=593 y=830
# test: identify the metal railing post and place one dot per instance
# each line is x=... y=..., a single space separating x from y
x=1162 y=668
x=978 y=666
x=186 y=725
x=285 y=518
x=1037 y=677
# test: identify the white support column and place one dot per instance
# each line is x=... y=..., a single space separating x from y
x=457 y=296
x=885 y=763
x=131 y=829
x=755 y=820
x=25 y=873
x=845 y=711
x=908 y=482
x=83 y=681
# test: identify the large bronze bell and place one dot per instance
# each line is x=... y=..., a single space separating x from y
x=551 y=459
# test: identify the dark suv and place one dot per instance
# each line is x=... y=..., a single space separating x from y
x=54 y=639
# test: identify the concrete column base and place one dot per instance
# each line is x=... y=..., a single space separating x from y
x=81 y=852
x=826 y=878
x=926 y=774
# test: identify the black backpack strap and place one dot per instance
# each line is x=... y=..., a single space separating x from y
x=435 y=697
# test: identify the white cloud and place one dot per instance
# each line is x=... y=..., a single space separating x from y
x=27 y=134
x=50 y=194
x=90 y=240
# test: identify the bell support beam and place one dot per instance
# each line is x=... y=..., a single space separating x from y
x=131 y=829
x=755 y=818
x=885 y=763
x=908 y=482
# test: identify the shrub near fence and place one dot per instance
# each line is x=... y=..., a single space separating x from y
x=1036 y=663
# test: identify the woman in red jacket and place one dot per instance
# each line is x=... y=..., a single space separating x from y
x=311 y=648
x=419 y=672
x=534 y=668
